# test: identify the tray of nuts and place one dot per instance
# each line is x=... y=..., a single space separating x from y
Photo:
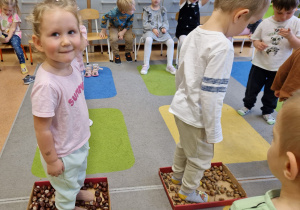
x=42 y=195
x=218 y=182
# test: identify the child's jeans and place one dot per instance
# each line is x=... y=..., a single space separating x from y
x=15 y=42
x=68 y=184
x=113 y=39
x=192 y=157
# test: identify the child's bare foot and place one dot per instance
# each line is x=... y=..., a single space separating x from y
x=85 y=195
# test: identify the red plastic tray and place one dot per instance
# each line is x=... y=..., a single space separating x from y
x=87 y=180
x=201 y=205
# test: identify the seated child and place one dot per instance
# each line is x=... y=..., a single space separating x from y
x=120 y=27
x=10 y=28
x=156 y=25
x=188 y=18
x=284 y=162
x=287 y=79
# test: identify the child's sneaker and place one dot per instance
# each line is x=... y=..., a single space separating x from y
x=128 y=57
x=145 y=69
x=195 y=197
x=269 y=119
x=171 y=69
x=243 y=111
x=117 y=59
x=28 y=79
x=176 y=181
x=24 y=69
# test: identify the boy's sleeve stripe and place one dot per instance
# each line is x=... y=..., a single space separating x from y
x=215 y=81
x=213 y=89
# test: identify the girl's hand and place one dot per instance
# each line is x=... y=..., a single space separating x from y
x=56 y=168
x=277 y=93
x=155 y=31
x=260 y=46
x=286 y=33
x=163 y=30
x=103 y=33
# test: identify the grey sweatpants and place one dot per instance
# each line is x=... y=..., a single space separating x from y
x=192 y=157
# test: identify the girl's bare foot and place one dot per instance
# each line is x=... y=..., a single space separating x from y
x=85 y=195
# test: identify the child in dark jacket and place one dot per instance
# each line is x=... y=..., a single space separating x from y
x=189 y=18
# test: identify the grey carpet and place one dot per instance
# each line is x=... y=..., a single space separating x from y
x=153 y=146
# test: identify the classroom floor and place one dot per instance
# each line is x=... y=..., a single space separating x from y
x=12 y=89
x=137 y=186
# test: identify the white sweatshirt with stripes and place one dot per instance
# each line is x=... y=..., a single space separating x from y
x=205 y=65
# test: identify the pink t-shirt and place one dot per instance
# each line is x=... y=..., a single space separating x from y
x=62 y=98
x=6 y=22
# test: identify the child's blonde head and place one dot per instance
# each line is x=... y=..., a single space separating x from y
x=11 y=3
x=125 y=5
x=36 y=17
x=229 y=6
x=288 y=123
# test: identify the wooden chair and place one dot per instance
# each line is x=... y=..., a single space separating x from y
x=93 y=14
x=8 y=46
